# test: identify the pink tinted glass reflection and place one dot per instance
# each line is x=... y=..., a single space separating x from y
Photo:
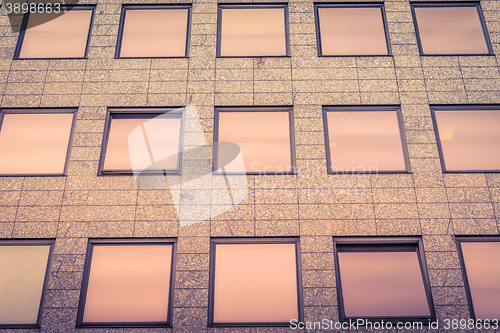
x=352 y=31
x=365 y=141
x=450 y=30
x=382 y=284
x=154 y=33
x=164 y=131
x=482 y=263
x=65 y=36
x=253 y=32
x=470 y=140
x=255 y=283
x=263 y=137
x=34 y=143
x=128 y=283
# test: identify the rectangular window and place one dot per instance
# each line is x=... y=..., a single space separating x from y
x=63 y=33
x=382 y=279
x=153 y=31
x=141 y=140
x=450 y=28
x=468 y=137
x=35 y=142
x=264 y=136
x=23 y=281
x=254 y=282
x=127 y=282
x=480 y=259
x=252 y=30
x=365 y=139
x=351 y=29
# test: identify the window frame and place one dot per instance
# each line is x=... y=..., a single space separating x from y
x=318 y=5
x=460 y=107
x=253 y=240
x=33 y=242
x=289 y=109
x=68 y=7
x=138 y=113
x=222 y=6
x=126 y=7
x=472 y=239
x=125 y=241
x=367 y=108
x=451 y=4
x=74 y=111
x=369 y=242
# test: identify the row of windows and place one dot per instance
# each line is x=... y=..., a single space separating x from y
x=368 y=139
x=253 y=281
x=256 y=30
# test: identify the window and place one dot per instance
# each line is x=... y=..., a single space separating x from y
x=450 y=28
x=35 y=142
x=254 y=282
x=153 y=31
x=252 y=30
x=364 y=139
x=145 y=140
x=382 y=278
x=468 y=137
x=127 y=282
x=23 y=281
x=344 y=30
x=264 y=136
x=480 y=259
x=63 y=33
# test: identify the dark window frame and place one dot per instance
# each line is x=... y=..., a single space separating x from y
x=318 y=5
x=289 y=109
x=460 y=107
x=126 y=7
x=367 y=108
x=222 y=6
x=126 y=241
x=24 y=25
x=254 y=240
x=44 y=111
x=359 y=244
x=452 y=4
x=473 y=239
x=33 y=242
x=138 y=113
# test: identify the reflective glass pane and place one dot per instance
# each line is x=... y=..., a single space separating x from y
x=450 y=30
x=365 y=141
x=154 y=33
x=470 y=139
x=263 y=137
x=160 y=135
x=128 y=283
x=255 y=283
x=253 y=32
x=22 y=275
x=352 y=31
x=482 y=263
x=51 y=35
x=382 y=284
x=34 y=143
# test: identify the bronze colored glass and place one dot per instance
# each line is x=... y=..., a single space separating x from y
x=251 y=32
x=352 y=31
x=51 y=35
x=450 y=30
x=482 y=263
x=154 y=33
x=255 y=283
x=470 y=139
